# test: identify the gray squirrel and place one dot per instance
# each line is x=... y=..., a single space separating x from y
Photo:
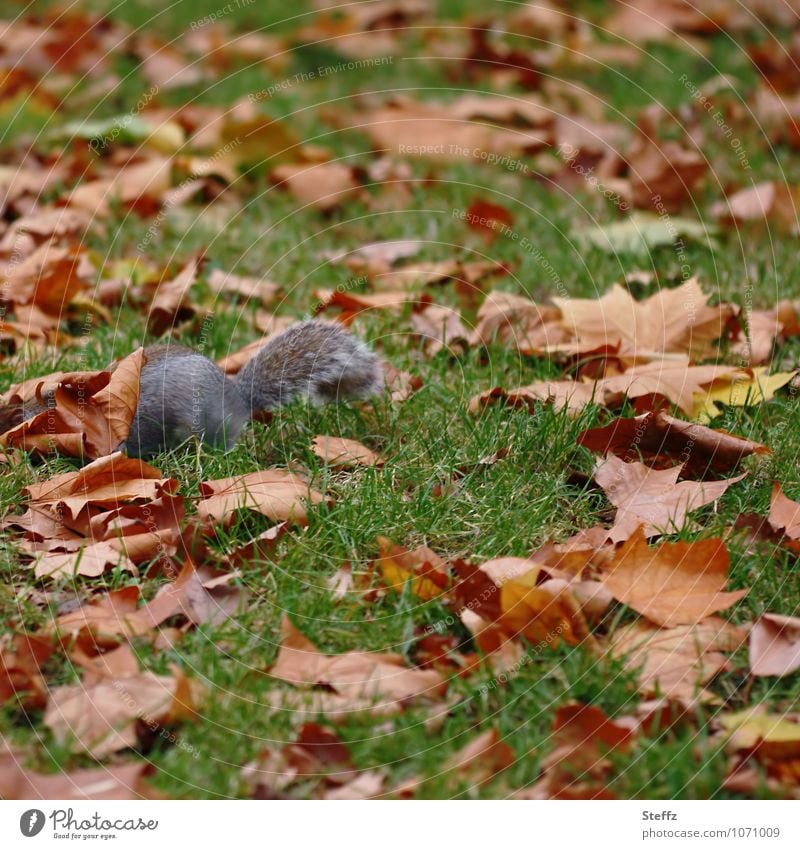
x=183 y=393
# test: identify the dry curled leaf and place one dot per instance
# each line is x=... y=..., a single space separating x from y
x=278 y=495
x=108 y=482
x=658 y=435
x=169 y=303
x=578 y=767
x=441 y=328
x=87 y=417
x=510 y=595
x=21 y=659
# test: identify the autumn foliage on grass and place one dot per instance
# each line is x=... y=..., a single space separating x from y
x=126 y=562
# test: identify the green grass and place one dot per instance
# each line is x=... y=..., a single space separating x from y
x=503 y=509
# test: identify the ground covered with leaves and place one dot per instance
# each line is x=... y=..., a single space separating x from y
x=557 y=556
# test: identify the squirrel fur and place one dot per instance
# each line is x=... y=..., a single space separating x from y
x=183 y=393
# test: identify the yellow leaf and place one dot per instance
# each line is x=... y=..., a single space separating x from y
x=745 y=389
x=775 y=735
x=426 y=570
x=545 y=614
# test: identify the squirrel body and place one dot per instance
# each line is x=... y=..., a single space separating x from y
x=183 y=393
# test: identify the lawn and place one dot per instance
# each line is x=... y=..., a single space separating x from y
x=469 y=486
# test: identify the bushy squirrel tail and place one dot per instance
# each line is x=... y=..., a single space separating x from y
x=313 y=359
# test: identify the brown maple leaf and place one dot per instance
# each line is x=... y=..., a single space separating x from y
x=676 y=320
x=278 y=495
x=382 y=679
x=652 y=498
x=671 y=584
x=676 y=662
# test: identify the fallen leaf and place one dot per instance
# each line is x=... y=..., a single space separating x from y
x=775 y=645
x=427 y=572
x=121 y=781
x=21 y=659
x=353 y=303
x=441 y=328
x=89 y=560
x=544 y=614
x=771 y=202
x=108 y=482
x=49 y=278
x=518 y=322
x=658 y=435
x=200 y=595
x=169 y=303
x=400 y=384
x=670 y=321
x=357 y=675
x=143 y=183
x=249 y=288
x=121 y=662
x=488 y=219
x=640 y=232
x=578 y=766
x=278 y=495
x=480 y=760
x=772 y=736
x=746 y=388
x=563 y=394
x=784 y=514
x=653 y=498
x=763 y=328
x=100 y=719
x=317 y=757
x=89 y=417
x=346 y=453
x=432 y=131
x=379 y=256
x=477 y=763
x=676 y=662
x=663 y=174
x=324 y=185
x=671 y=584
x=676 y=381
